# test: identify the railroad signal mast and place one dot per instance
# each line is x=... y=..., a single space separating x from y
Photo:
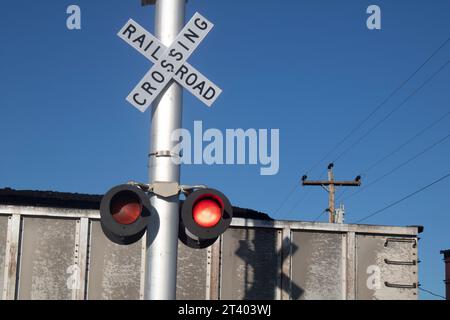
x=330 y=186
x=131 y=210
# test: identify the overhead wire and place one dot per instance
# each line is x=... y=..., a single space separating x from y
x=414 y=137
x=359 y=125
x=432 y=293
x=320 y=215
x=414 y=92
x=401 y=165
x=378 y=107
x=403 y=198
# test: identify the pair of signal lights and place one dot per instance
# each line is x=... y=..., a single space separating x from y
x=125 y=212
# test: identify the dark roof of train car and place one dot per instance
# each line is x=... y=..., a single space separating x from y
x=39 y=198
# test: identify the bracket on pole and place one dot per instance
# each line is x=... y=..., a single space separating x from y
x=147 y=2
x=166 y=189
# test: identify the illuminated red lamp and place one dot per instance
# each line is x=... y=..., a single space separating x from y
x=207 y=213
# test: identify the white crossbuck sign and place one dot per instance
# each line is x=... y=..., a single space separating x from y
x=169 y=63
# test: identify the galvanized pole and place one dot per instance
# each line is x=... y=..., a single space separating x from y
x=162 y=235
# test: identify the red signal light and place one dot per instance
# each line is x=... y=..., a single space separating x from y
x=207 y=213
x=125 y=212
x=125 y=207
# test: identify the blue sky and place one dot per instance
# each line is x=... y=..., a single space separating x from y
x=309 y=68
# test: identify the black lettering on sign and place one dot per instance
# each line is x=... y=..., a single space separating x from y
x=183 y=45
x=155 y=52
x=191 y=35
x=139 y=103
x=148 y=46
x=200 y=87
x=183 y=70
x=193 y=78
x=167 y=65
x=147 y=87
x=173 y=53
x=157 y=76
x=130 y=29
x=141 y=40
x=201 y=24
x=210 y=93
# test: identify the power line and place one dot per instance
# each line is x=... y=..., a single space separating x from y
x=344 y=192
x=378 y=107
x=362 y=123
x=399 y=166
x=318 y=217
x=432 y=293
x=390 y=154
x=298 y=202
x=387 y=156
x=393 y=111
x=304 y=197
x=286 y=199
x=433 y=124
x=404 y=198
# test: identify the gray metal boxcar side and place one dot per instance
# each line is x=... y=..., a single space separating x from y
x=61 y=253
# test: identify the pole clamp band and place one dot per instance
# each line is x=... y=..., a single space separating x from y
x=164 y=153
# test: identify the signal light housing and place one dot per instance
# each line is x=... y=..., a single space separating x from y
x=205 y=215
x=191 y=240
x=125 y=211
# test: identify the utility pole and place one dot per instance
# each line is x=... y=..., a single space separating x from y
x=162 y=249
x=330 y=186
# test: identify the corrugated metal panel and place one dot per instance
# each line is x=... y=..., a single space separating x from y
x=380 y=272
x=47 y=252
x=317 y=269
x=3 y=234
x=113 y=270
x=191 y=275
x=250 y=264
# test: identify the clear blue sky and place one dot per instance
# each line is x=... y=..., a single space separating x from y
x=310 y=68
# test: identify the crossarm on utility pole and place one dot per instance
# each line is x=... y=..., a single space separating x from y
x=332 y=184
x=336 y=183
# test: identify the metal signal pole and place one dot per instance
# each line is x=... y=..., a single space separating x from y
x=332 y=184
x=162 y=249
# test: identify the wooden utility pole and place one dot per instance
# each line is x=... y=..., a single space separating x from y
x=330 y=186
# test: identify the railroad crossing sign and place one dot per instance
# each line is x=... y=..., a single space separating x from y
x=169 y=63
